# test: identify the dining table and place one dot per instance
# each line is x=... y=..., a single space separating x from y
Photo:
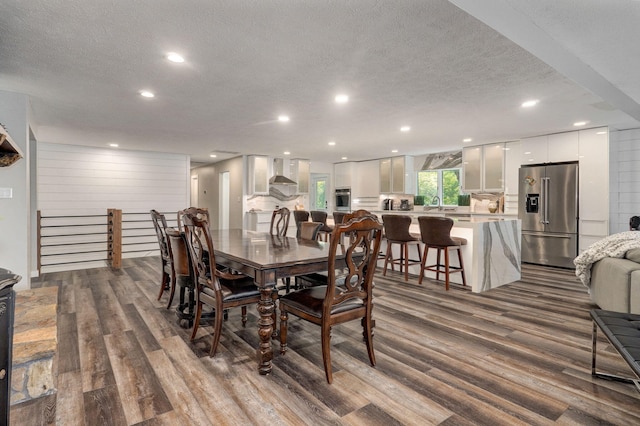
x=267 y=258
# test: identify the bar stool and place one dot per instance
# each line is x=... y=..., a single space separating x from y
x=325 y=230
x=435 y=232
x=396 y=231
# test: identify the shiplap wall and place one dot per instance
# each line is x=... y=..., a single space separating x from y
x=77 y=180
x=625 y=178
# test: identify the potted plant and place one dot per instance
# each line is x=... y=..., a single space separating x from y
x=418 y=202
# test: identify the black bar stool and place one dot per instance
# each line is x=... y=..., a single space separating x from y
x=396 y=230
x=435 y=232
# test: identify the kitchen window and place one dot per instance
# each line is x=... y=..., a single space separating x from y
x=442 y=183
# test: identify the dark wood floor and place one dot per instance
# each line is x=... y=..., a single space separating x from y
x=519 y=354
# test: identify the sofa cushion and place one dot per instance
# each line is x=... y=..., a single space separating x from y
x=633 y=255
x=610 y=283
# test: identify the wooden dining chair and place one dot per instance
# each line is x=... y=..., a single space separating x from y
x=347 y=296
x=199 y=212
x=300 y=216
x=160 y=225
x=280 y=222
x=218 y=289
x=320 y=216
x=180 y=275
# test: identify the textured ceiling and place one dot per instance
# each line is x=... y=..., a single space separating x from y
x=426 y=64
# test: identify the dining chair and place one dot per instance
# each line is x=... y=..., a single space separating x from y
x=181 y=275
x=200 y=212
x=300 y=216
x=280 y=222
x=435 y=232
x=396 y=230
x=218 y=289
x=346 y=296
x=160 y=224
x=320 y=216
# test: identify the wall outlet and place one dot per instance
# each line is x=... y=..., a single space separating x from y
x=6 y=192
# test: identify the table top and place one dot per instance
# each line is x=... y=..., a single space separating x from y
x=263 y=251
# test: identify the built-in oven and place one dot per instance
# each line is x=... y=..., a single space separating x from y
x=343 y=199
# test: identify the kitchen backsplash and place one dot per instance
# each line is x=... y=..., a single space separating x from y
x=267 y=203
x=485 y=202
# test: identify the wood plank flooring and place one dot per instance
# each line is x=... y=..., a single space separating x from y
x=516 y=355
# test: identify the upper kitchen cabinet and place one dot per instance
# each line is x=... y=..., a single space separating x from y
x=512 y=158
x=258 y=179
x=483 y=168
x=342 y=173
x=554 y=148
x=300 y=172
x=396 y=175
x=366 y=181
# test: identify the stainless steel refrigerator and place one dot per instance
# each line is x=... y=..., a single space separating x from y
x=548 y=209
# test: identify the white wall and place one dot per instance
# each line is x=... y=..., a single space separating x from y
x=624 y=178
x=80 y=180
x=14 y=212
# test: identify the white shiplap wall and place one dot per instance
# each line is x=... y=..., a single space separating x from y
x=625 y=178
x=79 y=180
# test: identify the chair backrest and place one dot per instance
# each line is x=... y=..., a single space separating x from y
x=199 y=212
x=396 y=227
x=198 y=241
x=178 y=252
x=309 y=230
x=360 y=256
x=338 y=217
x=358 y=213
x=319 y=216
x=300 y=216
x=160 y=224
x=436 y=231
x=280 y=222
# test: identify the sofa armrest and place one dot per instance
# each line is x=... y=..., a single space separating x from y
x=634 y=293
x=610 y=283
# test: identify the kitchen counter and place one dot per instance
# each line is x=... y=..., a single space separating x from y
x=492 y=253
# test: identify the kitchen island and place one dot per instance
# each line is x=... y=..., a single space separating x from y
x=492 y=253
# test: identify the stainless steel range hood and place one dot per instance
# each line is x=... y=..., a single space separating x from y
x=279 y=177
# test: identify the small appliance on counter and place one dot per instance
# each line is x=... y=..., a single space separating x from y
x=404 y=205
x=387 y=204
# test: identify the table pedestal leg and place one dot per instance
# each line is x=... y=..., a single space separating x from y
x=266 y=326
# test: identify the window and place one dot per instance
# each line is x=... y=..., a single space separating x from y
x=444 y=184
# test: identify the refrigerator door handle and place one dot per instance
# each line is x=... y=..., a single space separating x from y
x=545 y=183
x=538 y=234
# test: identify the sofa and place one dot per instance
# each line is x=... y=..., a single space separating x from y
x=615 y=283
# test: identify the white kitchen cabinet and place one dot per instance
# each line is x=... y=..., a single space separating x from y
x=258 y=179
x=512 y=158
x=483 y=168
x=300 y=173
x=343 y=173
x=396 y=175
x=366 y=180
x=593 y=182
x=555 y=148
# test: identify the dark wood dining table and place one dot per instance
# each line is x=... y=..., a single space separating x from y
x=267 y=259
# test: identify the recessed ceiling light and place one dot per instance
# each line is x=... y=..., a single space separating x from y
x=342 y=99
x=174 y=57
x=394 y=150
x=286 y=153
x=146 y=94
x=332 y=143
x=405 y=128
x=527 y=153
x=579 y=123
x=113 y=145
x=213 y=155
x=283 y=118
x=601 y=133
x=344 y=158
x=529 y=104
x=467 y=140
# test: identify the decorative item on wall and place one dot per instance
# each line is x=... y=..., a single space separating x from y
x=9 y=152
x=443 y=160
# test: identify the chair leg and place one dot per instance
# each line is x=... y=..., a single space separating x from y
x=367 y=324
x=405 y=246
x=163 y=283
x=196 y=324
x=173 y=288
x=439 y=250
x=423 y=263
x=244 y=316
x=464 y=280
x=446 y=269
x=217 y=331
x=326 y=351
x=284 y=316
x=386 y=259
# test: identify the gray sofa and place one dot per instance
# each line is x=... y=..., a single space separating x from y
x=615 y=283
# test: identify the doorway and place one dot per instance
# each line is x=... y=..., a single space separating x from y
x=223 y=221
x=319 y=194
x=194 y=191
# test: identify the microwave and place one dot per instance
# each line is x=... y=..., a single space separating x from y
x=343 y=199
